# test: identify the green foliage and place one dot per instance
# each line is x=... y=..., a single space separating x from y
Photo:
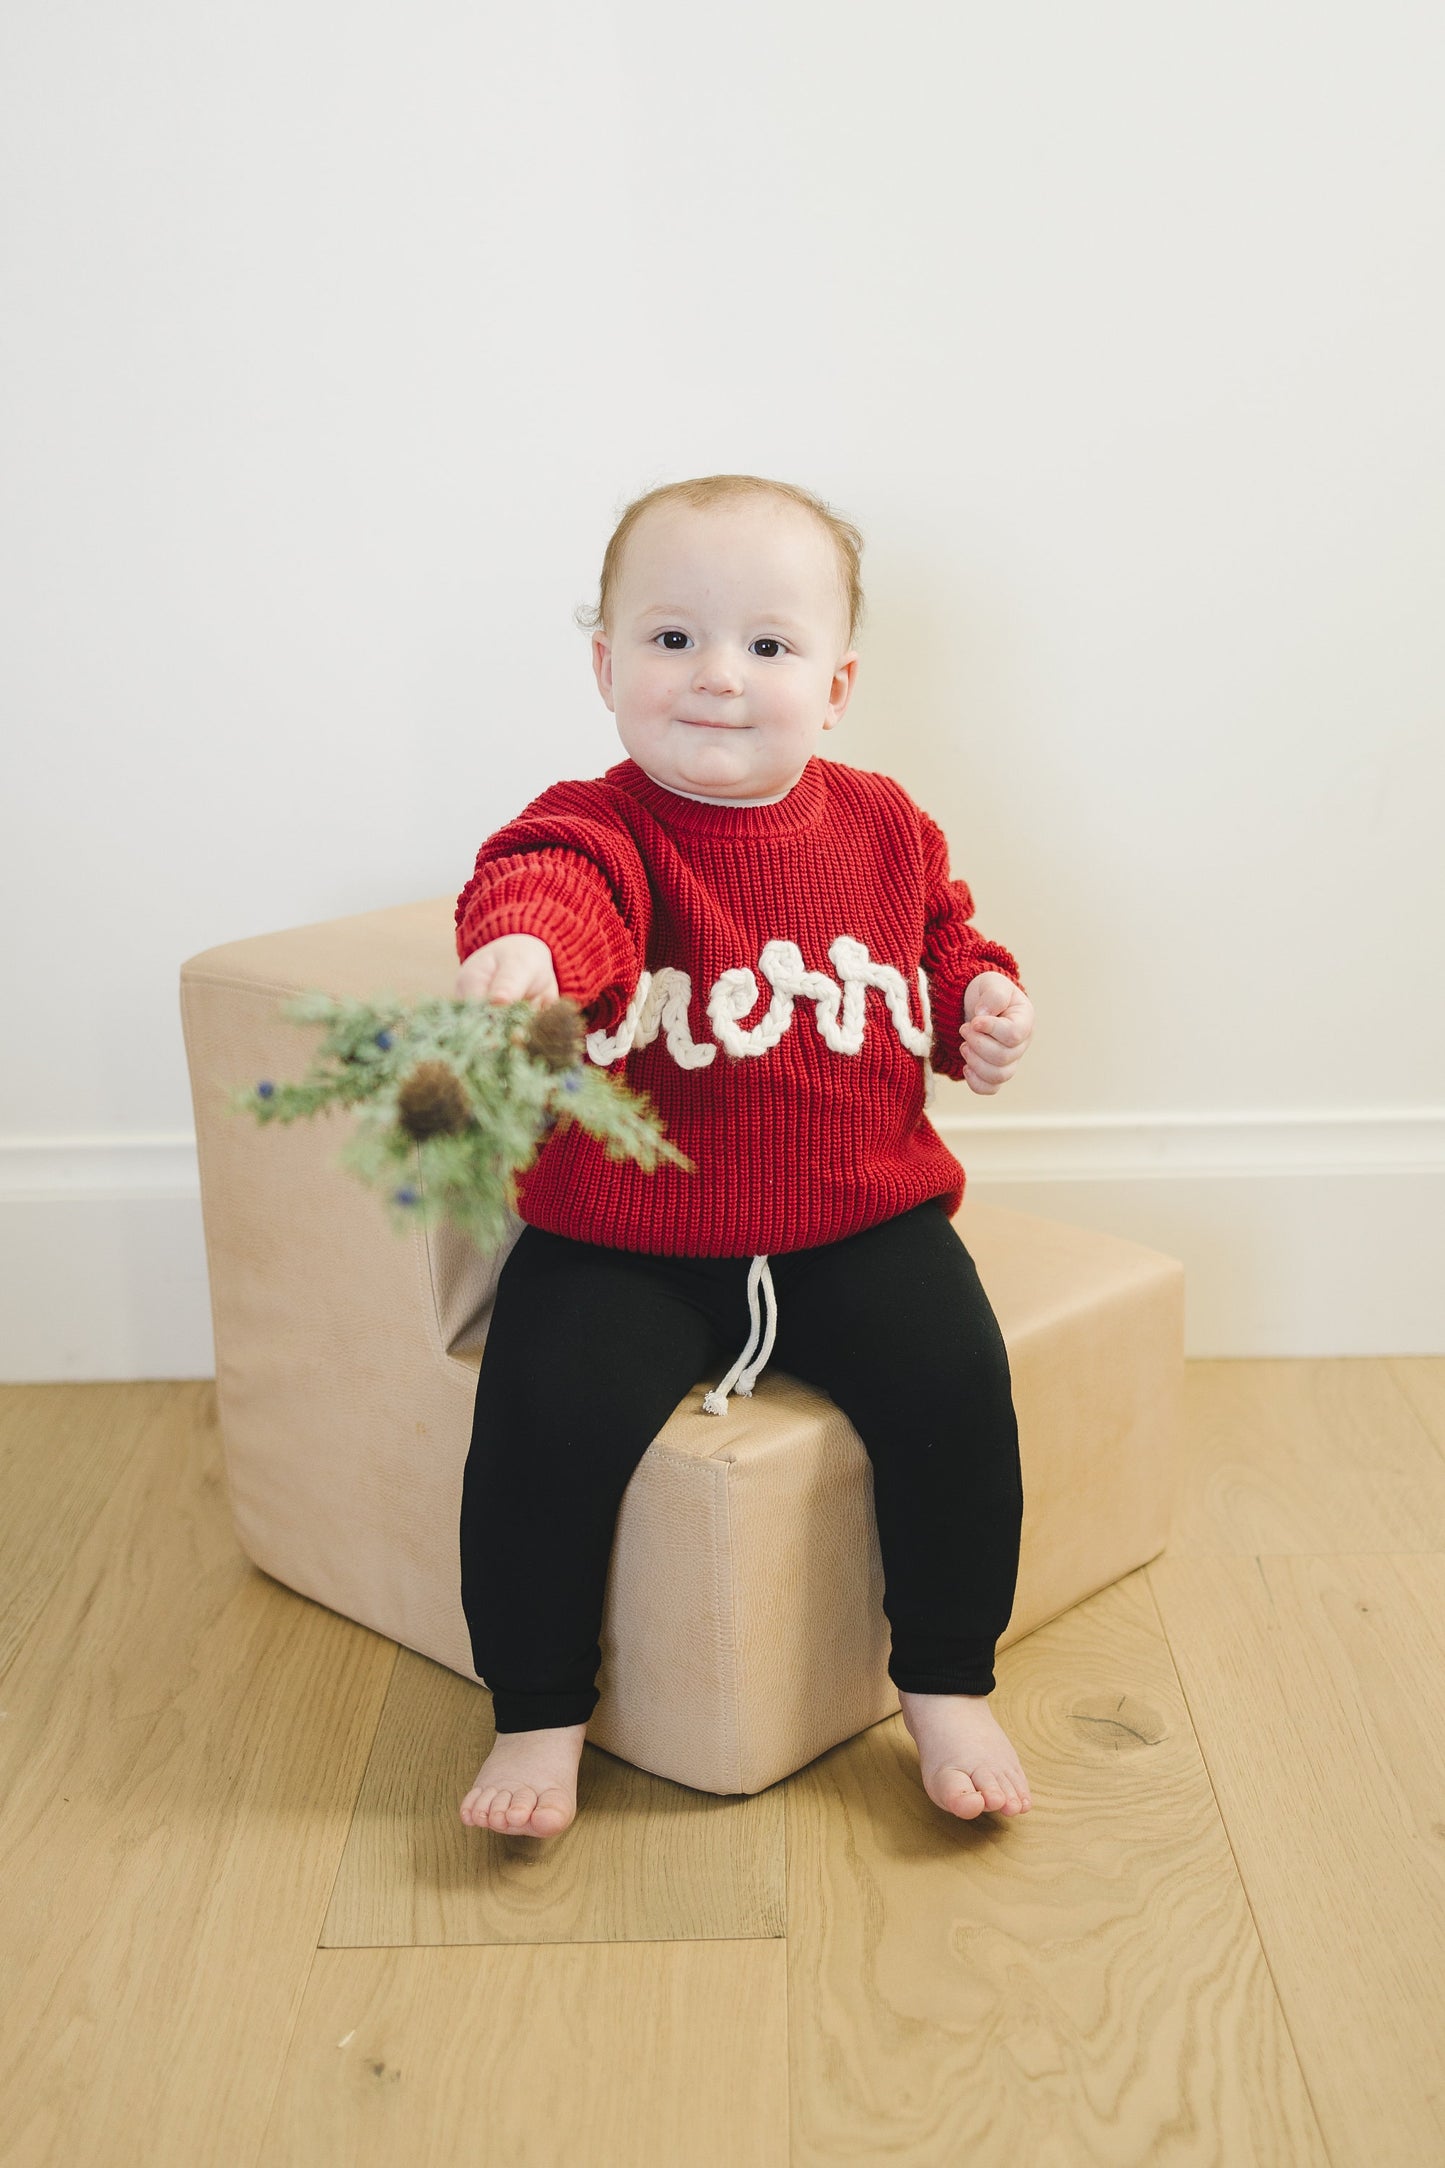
x=468 y=1175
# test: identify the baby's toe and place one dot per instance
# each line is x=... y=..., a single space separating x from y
x=1017 y=1789
x=991 y=1784
x=522 y=1804
x=956 y=1790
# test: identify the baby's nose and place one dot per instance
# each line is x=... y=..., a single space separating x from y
x=717 y=672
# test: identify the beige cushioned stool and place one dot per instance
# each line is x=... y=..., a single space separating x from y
x=744 y=1631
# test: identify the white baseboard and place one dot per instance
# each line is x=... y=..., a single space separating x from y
x=1300 y=1234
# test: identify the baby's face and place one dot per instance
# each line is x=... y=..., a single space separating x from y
x=728 y=652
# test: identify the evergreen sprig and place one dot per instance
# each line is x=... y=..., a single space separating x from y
x=454 y=1100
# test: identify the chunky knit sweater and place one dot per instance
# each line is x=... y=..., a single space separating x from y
x=799 y=1100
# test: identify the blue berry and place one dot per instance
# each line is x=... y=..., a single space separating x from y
x=383 y=1038
x=572 y=1083
x=265 y=1090
x=407 y=1195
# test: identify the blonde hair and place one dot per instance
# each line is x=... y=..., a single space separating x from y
x=710 y=489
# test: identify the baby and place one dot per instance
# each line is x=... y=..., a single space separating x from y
x=724 y=846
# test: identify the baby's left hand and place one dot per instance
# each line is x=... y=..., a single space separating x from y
x=998 y=1025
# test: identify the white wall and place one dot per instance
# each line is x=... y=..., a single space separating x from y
x=337 y=336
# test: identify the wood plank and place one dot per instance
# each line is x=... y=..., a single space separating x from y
x=63 y=1449
x=633 y=2055
x=182 y=1739
x=1305 y=1456
x=1317 y=1688
x=1083 y=1984
x=645 y=1860
x=182 y=1745
x=1421 y=1378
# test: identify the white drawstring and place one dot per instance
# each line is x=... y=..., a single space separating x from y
x=745 y=1371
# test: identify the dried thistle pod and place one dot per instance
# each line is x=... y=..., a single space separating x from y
x=555 y=1035
x=433 y=1102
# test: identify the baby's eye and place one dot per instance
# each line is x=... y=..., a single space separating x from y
x=672 y=639
x=768 y=647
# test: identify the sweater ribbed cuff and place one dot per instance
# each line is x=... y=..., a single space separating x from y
x=945 y=1003
x=588 y=956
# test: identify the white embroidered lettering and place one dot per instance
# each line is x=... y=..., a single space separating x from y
x=856 y=968
x=663 y=997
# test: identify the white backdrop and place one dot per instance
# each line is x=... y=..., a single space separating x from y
x=335 y=338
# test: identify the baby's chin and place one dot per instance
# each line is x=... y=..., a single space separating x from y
x=711 y=783
x=724 y=762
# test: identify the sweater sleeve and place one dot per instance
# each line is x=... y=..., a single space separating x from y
x=576 y=880
x=954 y=952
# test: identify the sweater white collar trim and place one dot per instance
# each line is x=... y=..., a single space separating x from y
x=698 y=800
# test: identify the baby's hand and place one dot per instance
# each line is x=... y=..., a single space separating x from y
x=514 y=967
x=999 y=1023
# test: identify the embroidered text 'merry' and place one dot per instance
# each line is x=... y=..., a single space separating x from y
x=663 y=998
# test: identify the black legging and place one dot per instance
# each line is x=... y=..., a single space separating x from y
x=591 y=1349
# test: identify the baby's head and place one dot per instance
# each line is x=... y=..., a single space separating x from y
x=723 y=633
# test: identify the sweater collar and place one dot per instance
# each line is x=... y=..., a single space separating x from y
x=802 y=808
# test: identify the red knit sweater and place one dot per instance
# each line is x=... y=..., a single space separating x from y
x=779 y=979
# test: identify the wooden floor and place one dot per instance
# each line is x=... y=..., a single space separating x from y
x=241 y=1923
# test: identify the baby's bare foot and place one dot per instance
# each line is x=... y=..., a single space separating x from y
x=527 y=1786
x=964 y=1755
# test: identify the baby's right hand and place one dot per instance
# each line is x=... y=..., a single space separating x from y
x=514 y=967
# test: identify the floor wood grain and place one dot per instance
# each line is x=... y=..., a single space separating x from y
x=632 y=2054
x=241 y=1924
x=181 y=1750
x=1085 y=1985
x=1306 y=1456
x=1315 y=1688
x=647 y=1860
x=63 y=1449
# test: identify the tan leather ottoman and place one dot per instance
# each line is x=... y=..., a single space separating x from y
x=744 y=1631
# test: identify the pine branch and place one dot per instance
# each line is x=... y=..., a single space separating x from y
x=454 y=1100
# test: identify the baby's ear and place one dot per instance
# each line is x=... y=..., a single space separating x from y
x=602 y=665
x=841 y=689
